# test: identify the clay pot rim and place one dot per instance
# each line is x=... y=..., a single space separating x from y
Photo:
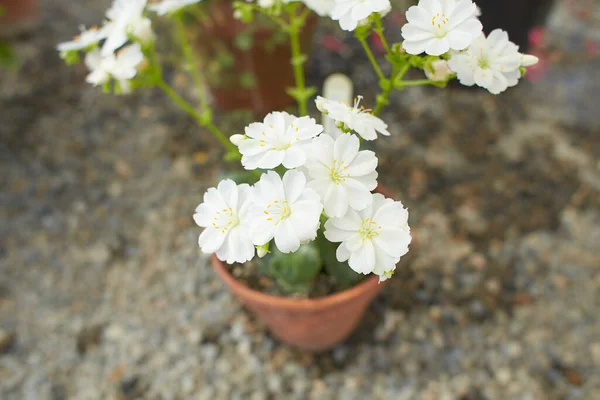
x=293 y=304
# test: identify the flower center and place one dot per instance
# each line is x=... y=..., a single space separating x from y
x=358 y=109
x=277 y=211
x=225 y=220
x=338 y=172
x=483 y=63
x=439 y=22
x=368 y=229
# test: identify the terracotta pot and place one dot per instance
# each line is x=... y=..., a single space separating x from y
x=517 y=17
x=254 y=79
x=19 y=16
x=309 y=324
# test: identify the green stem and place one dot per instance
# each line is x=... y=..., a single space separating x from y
x=298 y=58
x=200 y=119
x=382 y=99
x=365 y=45
x=379 y=30
x=418 y=82
x=192 y=62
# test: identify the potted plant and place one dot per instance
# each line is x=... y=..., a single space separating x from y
x=307 y=242
x=245 y=66
x=18 y=16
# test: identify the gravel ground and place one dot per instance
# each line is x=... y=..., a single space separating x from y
x=104 y=295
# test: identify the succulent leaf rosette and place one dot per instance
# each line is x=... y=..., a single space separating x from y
x=314 y=189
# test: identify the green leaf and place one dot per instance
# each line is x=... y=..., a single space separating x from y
x=341 y=271
x=294 y=272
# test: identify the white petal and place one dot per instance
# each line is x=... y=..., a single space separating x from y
x=306 y=222
x=342 y=253
x=261 y=230
x=418 y=17
x=214 y=199
x=414 y=33
x=359 y=197
x=203 y=216
x=417 y=46
x=362 y=260
x=437 y=47
x=269 y=187
x=286 y=239
x=229 y=191
x=294 y=157
x=349 y=222
x=270 y=160
x=322 y=149
x=251 y=147
x=459 y=40
x=364 y=163
x=390 y=213
x=211 y=240
x=464 y=10
x=240 y=246
x=304 y=128
x=336 y=201
x=394 y=241
x=255 y=131
x=334 y=234
x=293 y=185
x=345 y=149
x=484 y=78
x=431 y=6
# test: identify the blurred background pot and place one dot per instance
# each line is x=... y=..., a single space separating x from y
x=247 y=66
x=517 y=17
x=310 y=324
x=18 y=16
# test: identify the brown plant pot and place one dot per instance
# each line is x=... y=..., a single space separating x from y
x=266 y=63
x=20 y=16
x=309 y=324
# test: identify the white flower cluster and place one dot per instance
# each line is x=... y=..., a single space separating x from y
x=325 y=176
x=451 y=28
x=119 y=58
x=349 y=13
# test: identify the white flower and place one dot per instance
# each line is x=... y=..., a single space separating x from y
x=224 y=215
x=351 y=12
x=322 y=8
x=122 y=66
x=285 y=210
x=527 y=60
x=354 y=118
x=126 y=18
x=372 y=240
x=84 y=39
x=279 y=139
x=491 y=63
x=340 y=174
x=168 y=6
x=98 y=66
x=439 y=71
x=436 y=26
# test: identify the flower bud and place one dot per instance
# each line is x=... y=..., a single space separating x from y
x=237 y=139
x=263 y=250
x=438 y=70
x=527 y=60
